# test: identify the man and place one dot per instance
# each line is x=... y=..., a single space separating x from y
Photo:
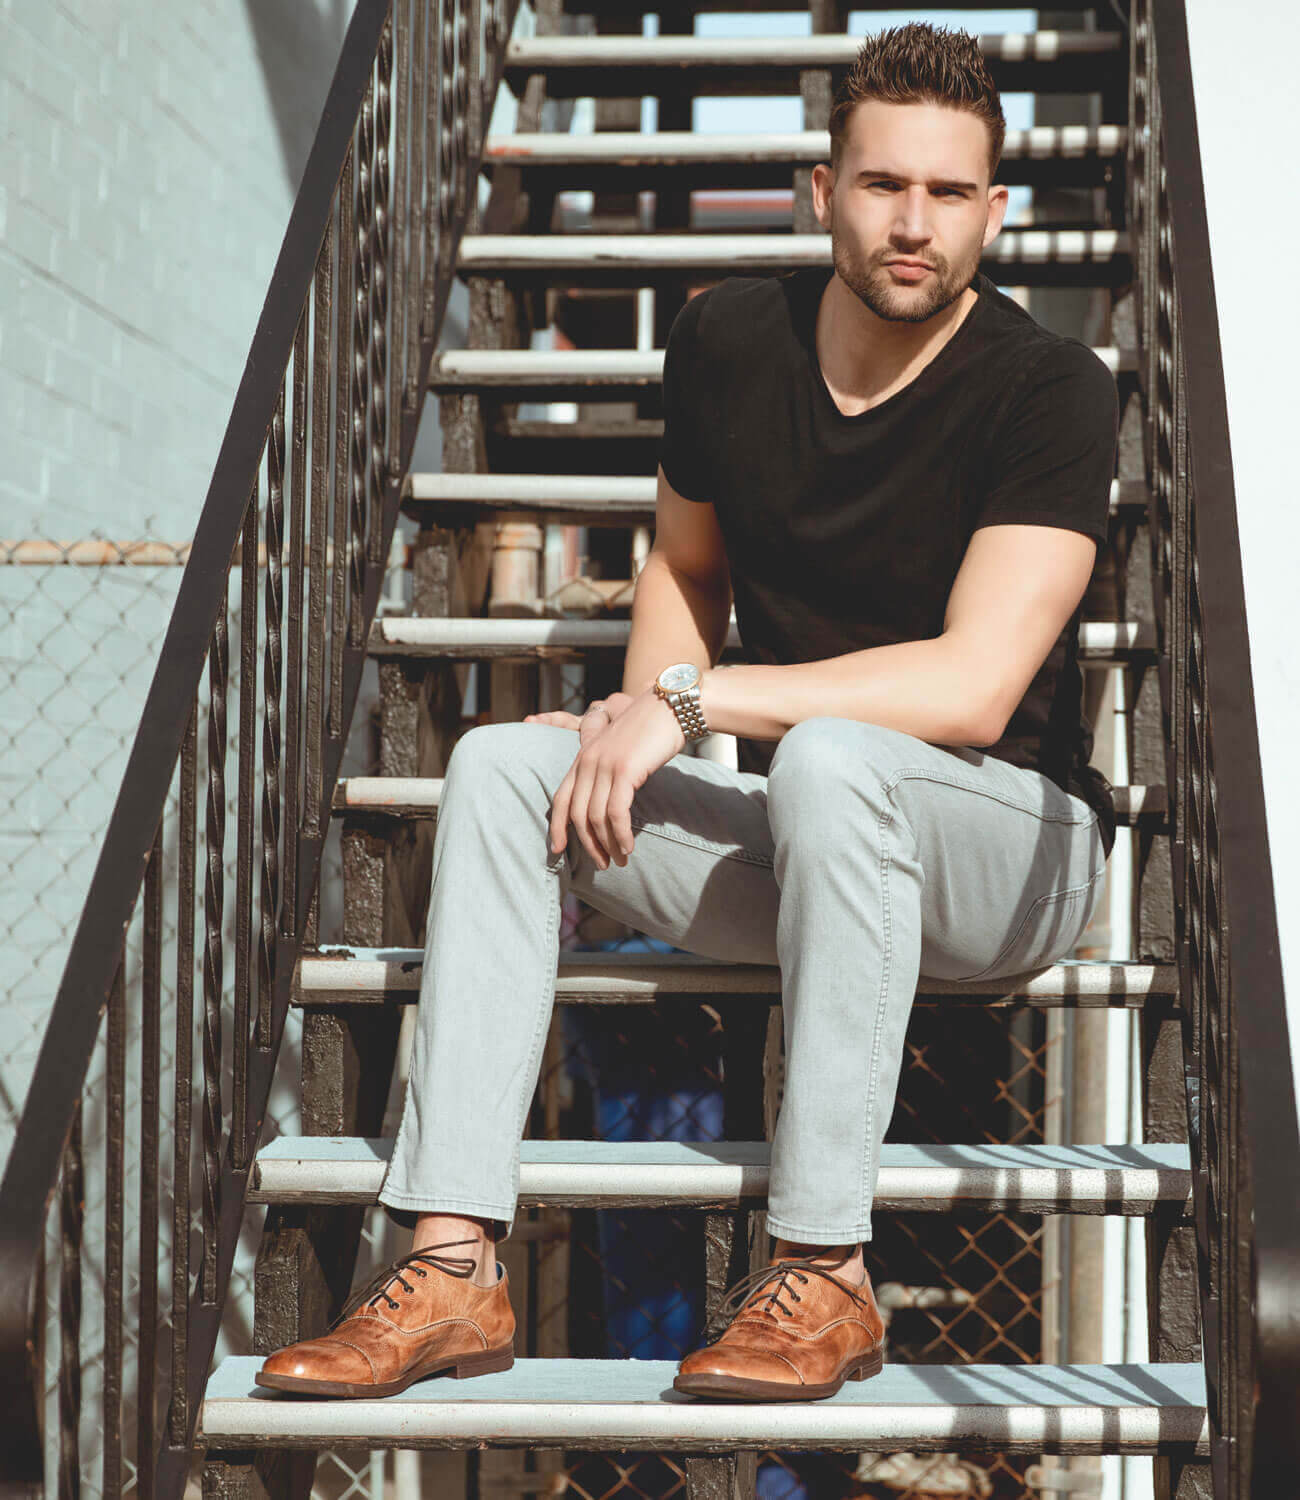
x=903 y=479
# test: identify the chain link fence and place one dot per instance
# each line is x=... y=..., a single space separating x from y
x=86 y=618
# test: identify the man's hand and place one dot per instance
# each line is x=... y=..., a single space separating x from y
x=596 y=795
x=597 y=716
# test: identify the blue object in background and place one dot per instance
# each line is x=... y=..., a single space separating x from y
x=649 y=1082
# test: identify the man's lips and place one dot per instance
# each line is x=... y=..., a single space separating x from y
x=910 y=270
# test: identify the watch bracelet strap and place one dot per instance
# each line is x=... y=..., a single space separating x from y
x=686 y=705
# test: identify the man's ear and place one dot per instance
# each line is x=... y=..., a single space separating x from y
x=823 y=185
x=999 y=197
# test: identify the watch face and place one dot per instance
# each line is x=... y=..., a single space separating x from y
x=682 y=675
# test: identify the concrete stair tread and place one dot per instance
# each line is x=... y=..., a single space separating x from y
x=355 y=975
x=827 y=50
x=783 y=148
x=399 y=796
x=590 y=499
x=595 y=258
x=483 y=638
x=715 y=7
x=1098 y=1179
x=1139 y=1408
x=544 y=370
x=627 y=65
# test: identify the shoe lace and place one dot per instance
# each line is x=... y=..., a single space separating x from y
x=779 y=1277
x=378 y=1286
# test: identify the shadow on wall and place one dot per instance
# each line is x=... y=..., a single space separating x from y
x=304 y=36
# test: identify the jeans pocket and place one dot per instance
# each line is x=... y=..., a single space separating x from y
x=1048 y=931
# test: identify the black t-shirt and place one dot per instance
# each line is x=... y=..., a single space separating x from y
x=844 y=532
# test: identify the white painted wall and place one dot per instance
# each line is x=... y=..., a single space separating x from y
x=1246 y=119
x=149 y=159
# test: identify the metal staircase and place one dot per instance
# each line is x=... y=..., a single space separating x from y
x=511 y=257
x=476 y=597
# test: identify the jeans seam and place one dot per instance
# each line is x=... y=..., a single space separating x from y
x=887 y=947
x=1047 y=896
x=747 y=856
x=397 y=1139
x=544 y=1012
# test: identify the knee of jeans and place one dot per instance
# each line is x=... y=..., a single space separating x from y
x=814 y=745
x=489 y=750
x=816 y=754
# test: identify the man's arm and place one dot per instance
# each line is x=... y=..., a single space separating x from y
x=1014 y=593
x=682 y=604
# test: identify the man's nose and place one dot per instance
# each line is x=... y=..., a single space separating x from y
x=912 y=222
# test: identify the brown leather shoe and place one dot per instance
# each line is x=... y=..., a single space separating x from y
x=797 y=1334
x=418 y=1316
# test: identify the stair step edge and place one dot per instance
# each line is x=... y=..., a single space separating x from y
x=351 y=975
x=1138 y=1408
x=1098 y=1179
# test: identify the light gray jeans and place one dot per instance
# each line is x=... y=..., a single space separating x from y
x=864 y=858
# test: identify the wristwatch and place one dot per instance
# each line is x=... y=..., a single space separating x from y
x=679 y=686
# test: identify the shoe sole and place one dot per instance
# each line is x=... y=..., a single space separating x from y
x=458 y=1366
x=737 y=1388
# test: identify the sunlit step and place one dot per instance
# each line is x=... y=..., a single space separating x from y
x=550 y=373
x=615 y=66
x=638 y=259
x=592 y=499
x=418 y=796
x=483 y=638
x=676 y=1174
x=349 y=975
x=630 y=1404
x=785 y=149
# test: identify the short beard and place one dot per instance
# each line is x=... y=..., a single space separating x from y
x=871 y=283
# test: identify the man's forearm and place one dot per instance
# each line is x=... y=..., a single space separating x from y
x=927 y=688
x=673 y=619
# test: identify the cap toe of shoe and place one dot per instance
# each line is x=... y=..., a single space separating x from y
x=741 y=1364
x=320 y=1359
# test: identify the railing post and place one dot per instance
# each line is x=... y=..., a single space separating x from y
x=1148 y=451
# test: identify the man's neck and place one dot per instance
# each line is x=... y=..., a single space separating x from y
x=865 y=358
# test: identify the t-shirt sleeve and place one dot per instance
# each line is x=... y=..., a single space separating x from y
x=1053 y=456
x=681 y=448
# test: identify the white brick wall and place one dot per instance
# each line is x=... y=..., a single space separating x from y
x=149 y=159
x=148 y=168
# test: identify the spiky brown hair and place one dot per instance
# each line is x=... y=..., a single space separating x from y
x=920 y=64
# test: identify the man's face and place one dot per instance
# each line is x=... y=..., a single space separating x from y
x=910 y=208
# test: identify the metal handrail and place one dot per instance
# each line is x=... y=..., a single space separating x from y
x=325 y=416
x=1242 y=1108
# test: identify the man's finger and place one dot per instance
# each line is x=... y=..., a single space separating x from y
x=597 y=815
x=618 y=815
x=578 y=811
x=560 y=813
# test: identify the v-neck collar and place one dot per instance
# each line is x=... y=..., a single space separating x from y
x=805 y=311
